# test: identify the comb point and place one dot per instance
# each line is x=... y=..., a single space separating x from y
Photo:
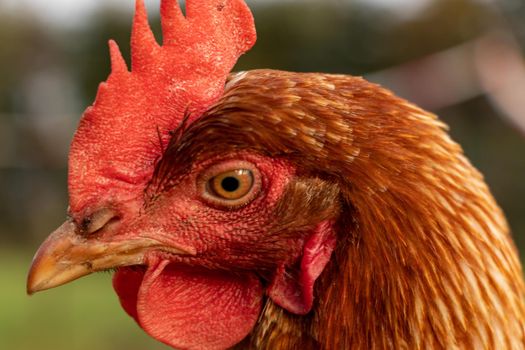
x=118 y=64
x=143 y=43
x=231 y=19
x=171 y=19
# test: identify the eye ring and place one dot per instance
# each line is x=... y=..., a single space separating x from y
x=230 y=185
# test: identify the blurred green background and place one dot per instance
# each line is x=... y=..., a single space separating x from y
x=462 y=59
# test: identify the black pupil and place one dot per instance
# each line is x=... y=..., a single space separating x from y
x=230 y=184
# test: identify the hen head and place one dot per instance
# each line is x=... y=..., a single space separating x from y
x=280 y=210
x=204 y=234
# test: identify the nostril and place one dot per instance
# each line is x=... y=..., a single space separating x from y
x=100 y=219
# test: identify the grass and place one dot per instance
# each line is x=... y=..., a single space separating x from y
x=79 y=316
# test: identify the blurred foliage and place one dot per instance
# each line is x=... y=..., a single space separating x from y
x=16 y=40
x=342 y=37
x=348 y=38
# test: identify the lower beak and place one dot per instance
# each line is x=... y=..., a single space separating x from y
x=65 y=256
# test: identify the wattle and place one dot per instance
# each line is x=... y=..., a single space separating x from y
x=190 y=308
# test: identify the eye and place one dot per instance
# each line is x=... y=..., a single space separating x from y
x=231 y=184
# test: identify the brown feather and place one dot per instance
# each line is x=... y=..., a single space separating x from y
x=424 y=258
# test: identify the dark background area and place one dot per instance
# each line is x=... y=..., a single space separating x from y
x=462 y=59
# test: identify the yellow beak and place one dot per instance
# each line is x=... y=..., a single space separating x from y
x=66 y=255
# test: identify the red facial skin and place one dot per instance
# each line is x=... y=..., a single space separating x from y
x=182 y=217
x=213 y=299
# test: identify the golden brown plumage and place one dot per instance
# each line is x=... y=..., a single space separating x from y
x=425 y=259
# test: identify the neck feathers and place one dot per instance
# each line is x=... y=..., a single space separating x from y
x=429 y=267
x=424 y=258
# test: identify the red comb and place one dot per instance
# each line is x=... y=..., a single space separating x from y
x=117 y=140
x=205 y=43
x=211 y=37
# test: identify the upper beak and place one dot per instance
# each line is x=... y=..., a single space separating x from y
x=66 y=255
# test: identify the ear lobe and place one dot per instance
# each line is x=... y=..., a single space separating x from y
x=293 y=287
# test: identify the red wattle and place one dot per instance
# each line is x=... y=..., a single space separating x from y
x=126 y=283
x=293 y=288
x=190 y=308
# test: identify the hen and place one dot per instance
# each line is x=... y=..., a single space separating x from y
x=277 y=210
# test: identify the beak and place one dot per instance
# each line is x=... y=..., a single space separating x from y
x=66 y=255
